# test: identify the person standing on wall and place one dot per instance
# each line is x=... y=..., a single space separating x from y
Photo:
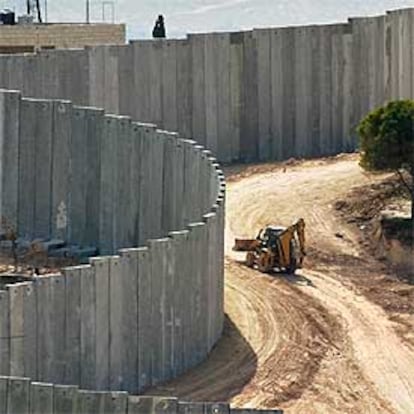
x=159 y=28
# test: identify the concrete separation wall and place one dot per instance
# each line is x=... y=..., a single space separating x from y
x=67 y=171
x=21 y=396
x=266 y=94
x=123 y=322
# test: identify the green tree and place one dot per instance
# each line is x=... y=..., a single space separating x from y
x=387 y=141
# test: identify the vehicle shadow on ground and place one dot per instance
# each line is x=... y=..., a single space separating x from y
x=296 y=279
x=230 y=366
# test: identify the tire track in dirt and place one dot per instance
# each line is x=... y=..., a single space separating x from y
x=303 y=344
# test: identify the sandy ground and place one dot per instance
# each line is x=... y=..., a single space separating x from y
x=313 y=343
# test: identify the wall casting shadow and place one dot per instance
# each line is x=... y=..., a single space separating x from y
x=230 y=366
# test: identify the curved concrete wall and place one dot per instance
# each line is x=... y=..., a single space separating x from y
x=123 y=322
x=257 y=95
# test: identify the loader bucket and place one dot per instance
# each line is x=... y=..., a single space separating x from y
x=245 y=245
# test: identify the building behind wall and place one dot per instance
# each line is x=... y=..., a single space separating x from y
x=23 y=38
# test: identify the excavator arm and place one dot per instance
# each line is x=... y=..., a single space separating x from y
x=292 y=234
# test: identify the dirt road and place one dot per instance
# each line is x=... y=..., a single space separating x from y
x=311 y=343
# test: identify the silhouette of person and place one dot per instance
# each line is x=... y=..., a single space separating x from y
x=159 y=28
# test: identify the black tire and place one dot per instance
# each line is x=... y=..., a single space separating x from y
x=250 y=259
x=264 y=264
x=291 y=269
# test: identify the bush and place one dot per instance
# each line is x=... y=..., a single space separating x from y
x=387 y=140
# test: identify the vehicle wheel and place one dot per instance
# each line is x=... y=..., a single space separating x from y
x=291 y=269
x=250 y=259
x=264 y=265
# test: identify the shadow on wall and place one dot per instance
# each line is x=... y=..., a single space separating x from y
x=229 y=367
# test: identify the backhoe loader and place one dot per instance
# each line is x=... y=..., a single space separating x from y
x=275 y=247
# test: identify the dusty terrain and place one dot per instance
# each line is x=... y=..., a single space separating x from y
x=333 y=339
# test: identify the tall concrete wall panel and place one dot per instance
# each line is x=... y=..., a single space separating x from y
x=9 y=150
x=303 y=79
x=289 y=92
x=169 y=93
x=257 y=95
x=126 y=81
x=96 y=69
x=184 y=100
x=236 y=62
x=314 y=147
x=24 y=396
x=245 y=96
x=197 y=45
x=249 y=103
x=276 y=149
x=111 y=80
x=211 y=91
x=264 y=91
x=154 y=80
x=28 y=114
x=224 y=130
x=348 y=90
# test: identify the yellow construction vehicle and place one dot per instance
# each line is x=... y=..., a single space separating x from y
x=275 y=247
